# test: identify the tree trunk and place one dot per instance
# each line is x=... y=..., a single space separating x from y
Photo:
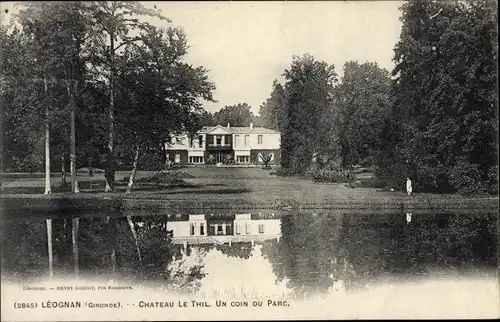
x=74 y=180
x=110 y=169
x=91 y=170
x=48 y=189
x=134 y=171
x=63 y=170
x=112 y=239
x=49 y=247
x=74 y=238
x=134 y=233
x=163 y=154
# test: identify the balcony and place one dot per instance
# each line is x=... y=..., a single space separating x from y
x=225 y=145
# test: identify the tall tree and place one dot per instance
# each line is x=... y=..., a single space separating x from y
x=236 y=115
x=271 y=112
x=207 y=119
x=362 y=105
x=21 y=98
x=445 y=95
x=309 y=91
x=60 y=31
x=118 y=20
x=159 y=94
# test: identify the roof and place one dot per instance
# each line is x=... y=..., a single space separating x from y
x=239 y=129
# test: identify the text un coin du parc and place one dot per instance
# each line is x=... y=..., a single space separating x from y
x=217 y=303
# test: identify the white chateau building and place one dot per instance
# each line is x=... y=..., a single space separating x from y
x=225 y=144
x=199 y=230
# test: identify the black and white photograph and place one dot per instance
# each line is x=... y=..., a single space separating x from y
x=249 y=160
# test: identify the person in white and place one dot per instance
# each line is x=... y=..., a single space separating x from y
x=408 y=186
x=408 y=217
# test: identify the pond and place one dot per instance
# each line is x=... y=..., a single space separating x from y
x=296 y=255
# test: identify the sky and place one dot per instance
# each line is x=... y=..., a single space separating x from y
x=246 y=45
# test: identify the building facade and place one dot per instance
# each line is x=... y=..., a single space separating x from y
x=219 y=144
x=202 y=229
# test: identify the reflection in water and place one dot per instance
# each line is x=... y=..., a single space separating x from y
x=300 y=254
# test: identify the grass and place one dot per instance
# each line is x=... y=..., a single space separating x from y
x=234 y=187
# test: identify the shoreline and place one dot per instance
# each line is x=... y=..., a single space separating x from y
x=32 y=203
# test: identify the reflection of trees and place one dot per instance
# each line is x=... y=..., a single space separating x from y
x=24 y=247
x=305 y=253
x=185 y=272
x=359 y=249
x=155 y=243
x=94 y=245
x=448 y=241
x=239 y=250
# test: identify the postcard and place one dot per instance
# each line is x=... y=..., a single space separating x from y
x=246 y=160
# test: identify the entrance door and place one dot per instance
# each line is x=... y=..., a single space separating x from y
x=219 y=157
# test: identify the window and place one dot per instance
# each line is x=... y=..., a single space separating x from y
x=192 y=229
x=243 y=159
x=200 y=141
x=195 y=159
x=246 y=139
x=191 y=140
x=261 y=228
x=236 y=140
x=259 y=139
x=202 y=229
x=220 y=230
x=229 y=229
x=178 y=140
x=218 y=140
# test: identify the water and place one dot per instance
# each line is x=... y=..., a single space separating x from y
x=294 y=255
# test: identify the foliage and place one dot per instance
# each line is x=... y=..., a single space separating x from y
x=87 y=51
x=238 y=250
x=236 y=115
x=272 y=111
x=332 y=175
x=167 y=177
x=280 y=171
x=21 y=100
x=309 y=95
x=266 y=158
x=442 y=128
x=362 y=103
x=159 y=94
x=211 y=159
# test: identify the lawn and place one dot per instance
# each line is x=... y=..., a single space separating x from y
x=236 y=187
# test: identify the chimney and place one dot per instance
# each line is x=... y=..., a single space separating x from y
x=228 y=126
x=251 y=126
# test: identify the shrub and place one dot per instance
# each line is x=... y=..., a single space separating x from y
x=172 y=174
x=266 y=158
x=281 y=172
x=210 y=159
x=162 y=177
x=377 y=182
x=493 y=180
x=465 y=177
x=333 y=176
